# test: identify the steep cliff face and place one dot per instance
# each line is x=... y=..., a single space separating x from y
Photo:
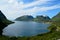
x=3 y=22
x=2 y=16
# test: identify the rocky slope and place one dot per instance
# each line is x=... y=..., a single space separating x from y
x=42 y=18
x=3 y=22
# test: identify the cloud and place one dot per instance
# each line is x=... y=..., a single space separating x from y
x=13 y=9
x=41 y=8
x=10 y=1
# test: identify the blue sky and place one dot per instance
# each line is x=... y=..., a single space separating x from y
x=16 y=8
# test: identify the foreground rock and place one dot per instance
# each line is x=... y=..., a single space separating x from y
x=3 y=22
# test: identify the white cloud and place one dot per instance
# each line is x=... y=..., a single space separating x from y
x=10 y=1
x=12 y=9
x=41 y=9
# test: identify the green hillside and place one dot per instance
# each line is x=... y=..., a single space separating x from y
x=42 y=18
x=57 y=17
x=25 y=18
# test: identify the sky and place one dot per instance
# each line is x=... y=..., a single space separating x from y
x=16 y=8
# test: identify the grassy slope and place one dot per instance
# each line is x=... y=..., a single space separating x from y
x=57 y=17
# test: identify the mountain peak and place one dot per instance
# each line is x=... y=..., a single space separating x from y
x=2 y=15
x=25 y=18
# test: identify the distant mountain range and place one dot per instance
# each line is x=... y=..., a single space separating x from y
x=3 y=22
x=40 y=18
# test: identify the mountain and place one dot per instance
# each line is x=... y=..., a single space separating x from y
x=42 y=18
x=57 y=17
x=3 y=22
x=25 y=18
x=55 y=26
